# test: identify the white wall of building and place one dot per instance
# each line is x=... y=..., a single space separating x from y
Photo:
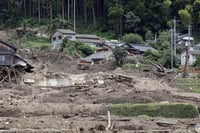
x=191 y=60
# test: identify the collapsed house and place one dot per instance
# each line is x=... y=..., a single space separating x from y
x=11 y=64
x=137 y=49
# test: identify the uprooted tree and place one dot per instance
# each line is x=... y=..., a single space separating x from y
x=119 y=55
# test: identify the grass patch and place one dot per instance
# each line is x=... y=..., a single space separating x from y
x=186 y=83
x=128 y=66
x=38 y=42
x=176 y=110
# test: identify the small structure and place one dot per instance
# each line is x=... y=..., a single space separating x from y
x=137 y=49
x=97 y=57
x=193 y=53
x=59 y=35
x=193 y=50
x=91 y=40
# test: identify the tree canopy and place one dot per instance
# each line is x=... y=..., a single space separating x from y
x=118 y=16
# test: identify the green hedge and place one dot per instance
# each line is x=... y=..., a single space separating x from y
x=175 y=110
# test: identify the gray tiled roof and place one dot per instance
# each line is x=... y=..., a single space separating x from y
x=195 y=52
x=98 y=56
x=65 y=31
x=89 y=41
x=142 y=48
x=87 y=36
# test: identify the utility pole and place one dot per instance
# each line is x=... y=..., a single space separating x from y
x=74 y=15
x=187 y=45
x=68 y=10
x=172 y=51
x=174 y=36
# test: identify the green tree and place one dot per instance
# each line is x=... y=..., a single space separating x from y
x=133 y=38
x=197 y=62
x=115 y=14
x=185 y=17
x=164 y=40
x=119 y=55
x=132 y=22
x=165 y=59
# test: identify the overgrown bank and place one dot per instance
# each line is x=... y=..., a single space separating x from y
x=175 y=110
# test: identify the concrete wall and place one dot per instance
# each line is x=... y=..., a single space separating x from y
x=191 y=60
x=59 y=82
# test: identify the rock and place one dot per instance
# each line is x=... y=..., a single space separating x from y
x=29 y=81
x=197 y=128
x=166 y=122
x=164 y=102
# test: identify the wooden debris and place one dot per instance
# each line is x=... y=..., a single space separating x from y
x=10 y=75
x=109 y=121
x=166 y=122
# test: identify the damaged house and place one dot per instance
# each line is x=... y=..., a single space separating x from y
x=8 y=57
x=137 y=49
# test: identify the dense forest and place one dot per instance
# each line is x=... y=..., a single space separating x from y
x=113 y=16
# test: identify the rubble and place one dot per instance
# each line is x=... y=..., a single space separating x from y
x=59 y=97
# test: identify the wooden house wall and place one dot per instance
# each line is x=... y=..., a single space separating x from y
x=6 y=59
x=6 y=54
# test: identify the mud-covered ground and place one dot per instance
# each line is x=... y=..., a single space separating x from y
x=83 y=108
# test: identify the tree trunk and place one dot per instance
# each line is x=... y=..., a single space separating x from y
x=51 y=13
x=63 y=9
x=39 y=14
x=120 y=27
x=68 y=9
x=74 y=15
x=29 y=8
x=94 y=16
x=85 y=11
x=186 y=62
x=24 y=8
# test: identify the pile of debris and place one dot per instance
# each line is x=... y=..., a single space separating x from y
x=11 y=75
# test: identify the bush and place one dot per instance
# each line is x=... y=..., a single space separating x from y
x=133 y=38
x=119 y=55
x=197 y=62
x=74 y=48
x=85 y=49
x=45 y=47
x=177 y=110
x=128 y=66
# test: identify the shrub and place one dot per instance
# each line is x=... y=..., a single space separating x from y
x=177 y=110
x=133 y=38
x=85 y=49
x=45 y=47
x=128 y=66
x=74 y=48
x=197 y=62
x=119 y=55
